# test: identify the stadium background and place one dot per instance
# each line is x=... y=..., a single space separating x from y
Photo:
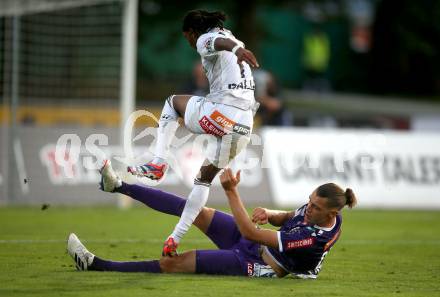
x=372 y=69
x=367 y=67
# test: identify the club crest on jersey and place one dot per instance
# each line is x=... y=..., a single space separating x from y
x=209 y=45
x=306 y=242
x=210 y=128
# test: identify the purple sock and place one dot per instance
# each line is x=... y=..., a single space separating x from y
x=156 y=199
x=142 y=266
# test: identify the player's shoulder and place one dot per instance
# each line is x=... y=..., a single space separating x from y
x=212 y=34
x=205 y=42
x=300 y=211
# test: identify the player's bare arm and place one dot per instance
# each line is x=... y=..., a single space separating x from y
x=243 y=55
x=244 y=223
x=262 y=216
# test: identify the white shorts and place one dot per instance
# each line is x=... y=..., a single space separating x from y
x=228 y=128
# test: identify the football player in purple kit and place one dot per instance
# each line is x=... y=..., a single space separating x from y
x=297 y=248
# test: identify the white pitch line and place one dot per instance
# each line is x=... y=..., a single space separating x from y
x=195 y=241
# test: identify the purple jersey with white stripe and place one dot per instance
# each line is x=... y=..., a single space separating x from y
x=302 y=247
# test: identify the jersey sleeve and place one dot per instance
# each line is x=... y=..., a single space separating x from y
x=297 y=238
x=205 y=44
x=301 y=210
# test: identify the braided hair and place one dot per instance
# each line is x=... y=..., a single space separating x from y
x=201 y=21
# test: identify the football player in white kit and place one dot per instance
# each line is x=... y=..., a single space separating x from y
x=226 y=112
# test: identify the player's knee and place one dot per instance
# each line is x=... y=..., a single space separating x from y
x=207 y=211
x=182 y=263
x=179 y=102
x=204 y=217
x=168 y=264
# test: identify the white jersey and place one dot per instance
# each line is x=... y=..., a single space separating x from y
x=230 y=83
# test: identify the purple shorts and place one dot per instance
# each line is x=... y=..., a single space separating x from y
x=236 y=255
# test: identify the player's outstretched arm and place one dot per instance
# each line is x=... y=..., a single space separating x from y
x=247 y=229
x=243 y=55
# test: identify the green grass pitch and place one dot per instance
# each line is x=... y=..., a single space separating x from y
x=380 y=253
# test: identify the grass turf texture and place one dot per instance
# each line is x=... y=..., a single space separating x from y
x=380 y=253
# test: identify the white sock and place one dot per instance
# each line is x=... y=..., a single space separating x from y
x=196 y=201
x=167 y=128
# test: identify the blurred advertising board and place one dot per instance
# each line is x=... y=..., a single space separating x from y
x=385 y=169
x=44 y=180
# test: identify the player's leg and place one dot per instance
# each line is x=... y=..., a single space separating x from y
x=217 y=262
x=222 y=230
x=188 y=210
x=99 y=264
x=196 y=110
x=180 y=102
x=209 y=261
x=85 y=260
x=219 y=155
x=153 y=198
x=183 y=263
x=218 y=226
x=174 y=107
x=194 y=204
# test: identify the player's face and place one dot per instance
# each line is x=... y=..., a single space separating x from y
x=317 y=211
x=191 y=37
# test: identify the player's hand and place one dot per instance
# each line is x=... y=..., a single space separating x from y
x=244 y=55
x=228 y=180
x=260 y=216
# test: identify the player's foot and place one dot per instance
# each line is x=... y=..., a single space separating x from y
x=169 y=248
x=109 y=179
x=149 y=170
x=82 y=257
